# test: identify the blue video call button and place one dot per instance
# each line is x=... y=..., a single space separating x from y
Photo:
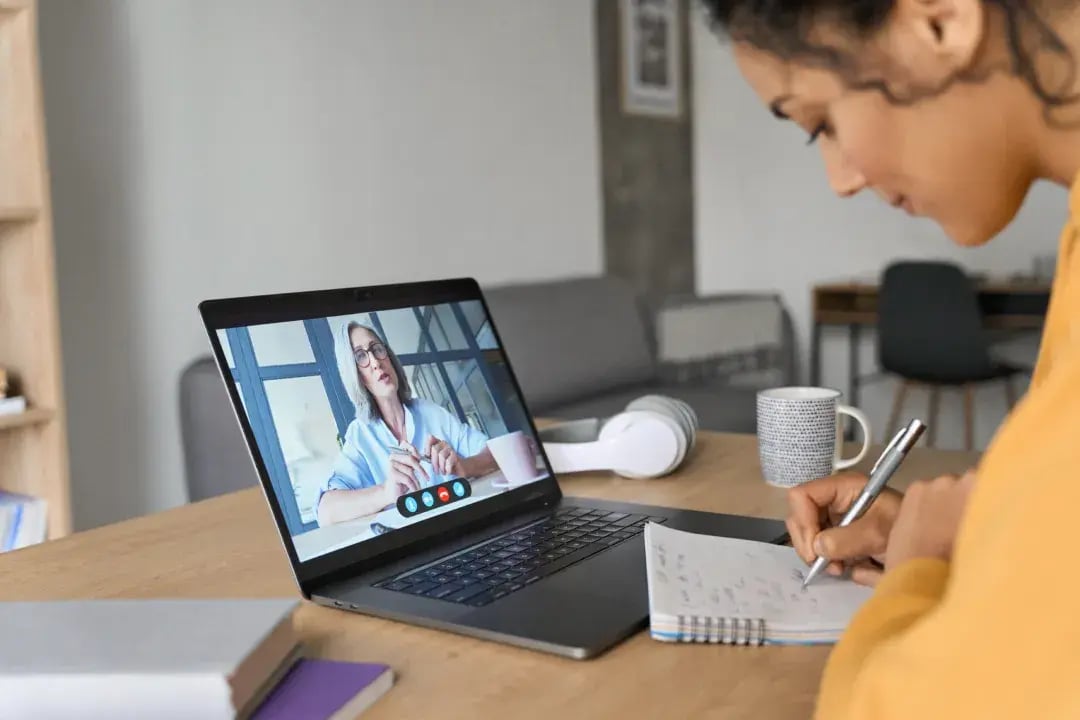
x=459 y=488
x=428 y=499
x=410 y=504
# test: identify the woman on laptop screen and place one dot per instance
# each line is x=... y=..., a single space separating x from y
x=397 y=443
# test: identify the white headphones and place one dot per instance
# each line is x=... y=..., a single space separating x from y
x=650 y=439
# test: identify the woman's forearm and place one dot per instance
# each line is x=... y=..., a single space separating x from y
x=340 y=505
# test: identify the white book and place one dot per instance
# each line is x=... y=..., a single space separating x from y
x=12 y=405
x=128 y=659
x=22 y=520
x=704 y=588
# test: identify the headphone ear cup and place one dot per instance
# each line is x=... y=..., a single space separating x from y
x=676 y=409
x=690 y=416
x=643 y=444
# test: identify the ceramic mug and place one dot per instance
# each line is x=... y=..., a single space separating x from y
x=513 y=453
x=799 y=434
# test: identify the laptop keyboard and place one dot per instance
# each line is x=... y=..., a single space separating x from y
x=495 y=568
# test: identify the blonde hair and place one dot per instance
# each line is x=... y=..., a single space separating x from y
x=366 y=409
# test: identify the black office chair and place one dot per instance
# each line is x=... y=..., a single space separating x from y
x=930 y=332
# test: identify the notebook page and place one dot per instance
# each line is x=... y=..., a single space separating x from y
x=705 y=576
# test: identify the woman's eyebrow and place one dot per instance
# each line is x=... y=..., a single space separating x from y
x=775 y=108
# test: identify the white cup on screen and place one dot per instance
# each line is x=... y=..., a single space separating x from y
x=513 y=454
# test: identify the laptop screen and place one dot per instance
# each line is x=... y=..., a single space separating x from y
x=372 y=422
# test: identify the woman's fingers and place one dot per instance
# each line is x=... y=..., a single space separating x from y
x=862 y=538
x=430 y=445
x=804 y=520
x=863 y=572
x=399 y=480
x=446 y=459
x=410 y=468
x=441 y=454
x=399 y=475
x=866 y=573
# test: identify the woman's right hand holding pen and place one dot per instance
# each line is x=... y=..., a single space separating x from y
x=816 y=508
x=895 y=528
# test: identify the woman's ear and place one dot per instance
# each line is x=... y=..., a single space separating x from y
x=936 y=39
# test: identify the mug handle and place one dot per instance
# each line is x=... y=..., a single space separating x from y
x=861 y=418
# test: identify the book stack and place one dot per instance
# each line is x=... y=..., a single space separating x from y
x=22 y=521
x=326 y=690
x=12 y=405
x=172 y=660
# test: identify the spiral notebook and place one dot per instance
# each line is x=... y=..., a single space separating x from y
x=704 y=588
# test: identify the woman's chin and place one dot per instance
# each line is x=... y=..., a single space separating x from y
x=971 y=234
x=982 y=222
x=383 y=391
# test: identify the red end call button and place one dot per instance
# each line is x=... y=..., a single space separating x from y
x=444 y=494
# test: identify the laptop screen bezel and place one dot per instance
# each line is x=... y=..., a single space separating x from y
x=219 y=314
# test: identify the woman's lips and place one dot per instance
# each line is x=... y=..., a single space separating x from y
x=384 y=377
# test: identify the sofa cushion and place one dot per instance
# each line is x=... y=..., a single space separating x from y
x=572 y=338
x=721 y=408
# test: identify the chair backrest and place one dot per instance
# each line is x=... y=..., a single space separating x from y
x=929 y=324
x=216 y=458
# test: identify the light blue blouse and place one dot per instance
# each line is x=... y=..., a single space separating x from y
x=365 y=454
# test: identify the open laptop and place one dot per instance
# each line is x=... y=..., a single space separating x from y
x=368 y=414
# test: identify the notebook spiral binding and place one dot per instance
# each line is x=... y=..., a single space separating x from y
x=727 y=631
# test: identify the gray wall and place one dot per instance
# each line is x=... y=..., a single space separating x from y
x=766 y=219
x=210 y=148
x=647 y=162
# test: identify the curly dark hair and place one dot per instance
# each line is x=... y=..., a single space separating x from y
x=783 y=28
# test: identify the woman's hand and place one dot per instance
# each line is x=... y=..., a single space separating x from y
x=403 y=477
x=444 y=459
x=816 y=507
x=929 y=518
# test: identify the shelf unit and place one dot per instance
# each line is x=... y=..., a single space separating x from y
x=33 y=444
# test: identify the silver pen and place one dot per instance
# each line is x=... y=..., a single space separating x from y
x=883 y=469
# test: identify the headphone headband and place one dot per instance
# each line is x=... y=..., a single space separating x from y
x=651 y=438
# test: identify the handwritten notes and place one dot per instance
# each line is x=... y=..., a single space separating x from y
x=703 y=576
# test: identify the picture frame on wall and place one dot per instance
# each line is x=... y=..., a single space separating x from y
x=651 y=71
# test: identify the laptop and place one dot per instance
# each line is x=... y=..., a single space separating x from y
x=403 y=470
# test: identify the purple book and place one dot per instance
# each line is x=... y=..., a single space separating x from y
x=326 y=690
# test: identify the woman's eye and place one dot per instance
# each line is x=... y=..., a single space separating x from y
x=821 y=128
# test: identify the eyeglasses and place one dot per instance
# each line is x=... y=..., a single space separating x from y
x=363 y=355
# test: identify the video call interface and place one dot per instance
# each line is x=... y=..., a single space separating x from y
x=372 y=422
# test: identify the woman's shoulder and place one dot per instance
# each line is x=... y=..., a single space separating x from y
x=356 y=426
x=427 y=407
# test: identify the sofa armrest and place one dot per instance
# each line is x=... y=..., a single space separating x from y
x=739 y=339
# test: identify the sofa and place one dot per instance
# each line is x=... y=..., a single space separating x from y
x=580 y=347
x=588 y=346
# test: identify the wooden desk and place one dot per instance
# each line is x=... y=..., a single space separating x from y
x=1019 y=305
x=228 y=547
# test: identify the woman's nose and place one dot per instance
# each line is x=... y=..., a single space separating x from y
x=844 y=178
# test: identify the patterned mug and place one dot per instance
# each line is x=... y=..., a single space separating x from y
x=799 y=434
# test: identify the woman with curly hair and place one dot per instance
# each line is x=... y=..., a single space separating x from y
x=951 y=110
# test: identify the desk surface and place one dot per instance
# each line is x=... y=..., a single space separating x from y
x=228 y=547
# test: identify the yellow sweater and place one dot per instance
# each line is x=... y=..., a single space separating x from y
x=996 y=632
